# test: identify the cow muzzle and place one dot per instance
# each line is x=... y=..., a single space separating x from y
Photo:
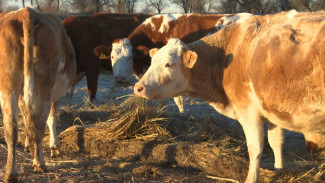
x=139 y=90
x=120 y=79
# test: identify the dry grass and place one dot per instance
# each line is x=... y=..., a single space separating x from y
x=143 y=141
x=140 y=130
x=133 y=118
x=143 y=130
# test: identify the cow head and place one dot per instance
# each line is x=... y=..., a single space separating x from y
x=168 y=75
x=122 y=60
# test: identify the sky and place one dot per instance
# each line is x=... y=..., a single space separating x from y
x=169 y=9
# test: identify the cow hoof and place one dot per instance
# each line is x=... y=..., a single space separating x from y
x=40 y=169
x=11 y=178
x=312 y=146
x=278 y=169
x=55 y=152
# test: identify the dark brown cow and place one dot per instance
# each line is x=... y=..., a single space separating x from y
x=37 y=66
x=88 y=32
x=267 y=67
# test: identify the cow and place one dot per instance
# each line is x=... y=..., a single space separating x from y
x=266 y=68
x=88 y=33
x=37 y=66
x=155 y=32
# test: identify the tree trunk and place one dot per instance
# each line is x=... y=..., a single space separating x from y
x=97 y=2
x=58 y=6
x=23 y=1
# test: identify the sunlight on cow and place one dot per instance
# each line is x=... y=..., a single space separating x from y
x=265 y=68
x=38 y=66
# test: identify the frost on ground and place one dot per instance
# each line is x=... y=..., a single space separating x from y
x=119 y=139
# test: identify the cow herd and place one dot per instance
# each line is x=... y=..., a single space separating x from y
x=254 y=69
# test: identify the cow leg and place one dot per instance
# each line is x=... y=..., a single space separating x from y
x=276 y=138
x=35 y=125
x=24 y=114
x=254 y=134
x=69 y=95
x=314 y=140
x=179 y=102
x=92 y=80
x=10 y=107
x=51 y=123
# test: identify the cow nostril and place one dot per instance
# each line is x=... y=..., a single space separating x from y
x=140 y=89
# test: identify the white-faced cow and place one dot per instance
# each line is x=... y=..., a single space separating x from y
x=88 y=32
x=37 y=66
x=265 y=68
x=155 y=32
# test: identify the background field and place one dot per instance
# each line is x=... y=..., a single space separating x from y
x=123 y=138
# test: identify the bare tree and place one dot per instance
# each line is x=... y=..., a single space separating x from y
x=130 y=5
x=285 y=5
x=99 y=4
x=48 y=6
x=184 y=4
x=2 y=5
x=199 y=6
x=228 y=6
x=159 y=5
x=65 y=5
x=318 y=5
x=262 y=6
x=308 y=5
x=117 y=6
x=84 y=6
x=122 y=6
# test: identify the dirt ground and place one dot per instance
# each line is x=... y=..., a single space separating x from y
x=198 y=146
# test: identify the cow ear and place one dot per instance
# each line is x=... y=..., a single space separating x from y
x=143 y=49
x=189 y=59
x=103 y=51
x=152 y=52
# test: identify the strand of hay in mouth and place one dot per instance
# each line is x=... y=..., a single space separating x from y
x=133 y=118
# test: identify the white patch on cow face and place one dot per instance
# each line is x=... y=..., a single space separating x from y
x=165 y=77
x=122 y=60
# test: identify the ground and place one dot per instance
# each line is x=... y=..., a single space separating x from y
x=109 y=142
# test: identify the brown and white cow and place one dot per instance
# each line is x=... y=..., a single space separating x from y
x=88 y=32
x=268 y=67
x=37 y=67
x=155 y=32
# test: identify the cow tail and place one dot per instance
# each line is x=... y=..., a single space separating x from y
x=28 y=30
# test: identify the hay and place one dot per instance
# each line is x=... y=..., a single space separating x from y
x=140 y=130
x=133 y=118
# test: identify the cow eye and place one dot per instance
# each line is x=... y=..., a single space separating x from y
x=169 y=65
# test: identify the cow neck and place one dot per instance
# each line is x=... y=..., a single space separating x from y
x=208 y=22
x=139 y=38
x=207 y=74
